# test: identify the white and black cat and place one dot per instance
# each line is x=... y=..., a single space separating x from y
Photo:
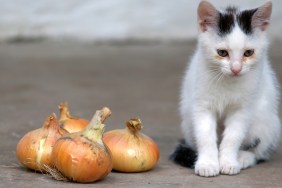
x=230 y=96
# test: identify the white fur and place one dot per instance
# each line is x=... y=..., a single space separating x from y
x=245 y=106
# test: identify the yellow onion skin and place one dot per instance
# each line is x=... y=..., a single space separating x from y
x=71 y=124
x=131 y=151
x=35 y=148
x=81 y=160
x=82 y=156
x=74 y=124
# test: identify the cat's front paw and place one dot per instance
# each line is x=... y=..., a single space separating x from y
x=231 y=167
x=207 y=168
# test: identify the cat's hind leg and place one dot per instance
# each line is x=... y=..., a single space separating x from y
x=246 y=159
x=263 y=139
x=246 y=155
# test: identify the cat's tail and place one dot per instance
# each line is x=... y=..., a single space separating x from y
x=184 y=155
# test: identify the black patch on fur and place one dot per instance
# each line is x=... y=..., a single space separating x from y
x=184 y=155
x=266 y=155
x=226 y=21
x=231 y=10
x=253 y=145
x=244 y=20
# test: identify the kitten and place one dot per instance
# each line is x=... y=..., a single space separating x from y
x=230 y=96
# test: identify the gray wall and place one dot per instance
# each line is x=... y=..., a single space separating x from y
x=92 y=20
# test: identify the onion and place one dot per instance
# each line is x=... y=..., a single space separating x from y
x=131 y=150
x=82 y=156
x=35 y=148
x=71 y=124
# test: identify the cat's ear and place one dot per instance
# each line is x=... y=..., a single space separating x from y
x=207 y=16
x=261 y=17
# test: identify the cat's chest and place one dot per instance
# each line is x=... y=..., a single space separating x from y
x=222 y=96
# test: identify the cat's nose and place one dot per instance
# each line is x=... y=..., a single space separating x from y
x=236 y=71
x=236 y=67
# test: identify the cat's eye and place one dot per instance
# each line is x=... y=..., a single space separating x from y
x=248 y=53
x=222 y=53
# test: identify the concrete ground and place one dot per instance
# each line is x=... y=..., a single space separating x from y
x=133 y=80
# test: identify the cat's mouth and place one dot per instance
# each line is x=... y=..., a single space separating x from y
x=231 y=74
x=235 y=75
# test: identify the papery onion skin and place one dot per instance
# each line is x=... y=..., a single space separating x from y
x=71 y=124
x=35 y=148
x=74 y=124
x=81 y=160
x=82 y=156
x=131 y=152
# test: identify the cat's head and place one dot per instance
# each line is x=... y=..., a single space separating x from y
x=234 y=41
